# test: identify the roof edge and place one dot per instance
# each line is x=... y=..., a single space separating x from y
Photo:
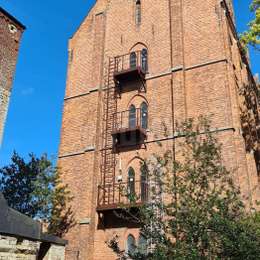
x=16 y=224
x=12 y=18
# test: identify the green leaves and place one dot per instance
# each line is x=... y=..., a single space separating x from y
x=34 y=188
x=195 y=210
x=252 y=35
x=24 y=185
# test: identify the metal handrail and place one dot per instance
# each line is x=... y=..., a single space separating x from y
x=119 y=193
x=132 y=60
x=126 y=120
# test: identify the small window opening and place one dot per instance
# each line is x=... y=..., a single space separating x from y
x=133 y=60
x=144 y=115
x=138 y=12
x=257 y=162
x=144 y=59
x=131 y=183
x=131 y=245
x=144 y=183
x=132 y=117
x=142 y=244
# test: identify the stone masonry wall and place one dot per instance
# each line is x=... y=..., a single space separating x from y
x=12 y=248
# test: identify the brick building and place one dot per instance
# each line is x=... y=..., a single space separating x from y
x=135 y=68
x=10 y=35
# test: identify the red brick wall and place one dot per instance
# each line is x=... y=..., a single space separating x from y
x=190 y=74
x=9 y=45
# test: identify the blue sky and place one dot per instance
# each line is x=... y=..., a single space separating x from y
x=34 y=118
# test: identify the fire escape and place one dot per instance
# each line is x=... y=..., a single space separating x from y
x=120 y=129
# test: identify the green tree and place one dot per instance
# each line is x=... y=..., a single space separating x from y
x=252 y=35
x=194 y=210
x=34 y=188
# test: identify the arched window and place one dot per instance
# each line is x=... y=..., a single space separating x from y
x=144 y=115
x=142 y=244
x=144 y=183
x=133 y=60
x=131 y=183
x=130 y=246
x=132 y=117
x=138 y=12
x=144 y=59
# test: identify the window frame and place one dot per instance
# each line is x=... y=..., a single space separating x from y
x=132 y=120
x=144 y=59
x=131 y=181
x=144 y=119
x=130 y=245
x=144 y=183
x=133 y=60
x=138 y=12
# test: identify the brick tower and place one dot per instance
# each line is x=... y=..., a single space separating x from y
x=10 y=35
x=135 y=68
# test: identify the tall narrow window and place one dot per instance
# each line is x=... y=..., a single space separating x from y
x=132 y=117
x=131 y=183
x=144 y=183
x=142 y=244
x=131 y=246
x=257 y=161
x=138 y=12
x=133 y=60
x=144 y=59
x=144 y=115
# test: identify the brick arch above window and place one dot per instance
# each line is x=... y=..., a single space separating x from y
x=137 y=100
x=134 y=161
x=139 y=46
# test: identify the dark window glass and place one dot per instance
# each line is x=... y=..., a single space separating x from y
x=142 y=244
x=144 y=115
x=132 y=117
x=144 y=183
x=257 y=161
x=138 y=12
x=131 y=182
x=131 y=246
x=144 y=59
x=133 y=60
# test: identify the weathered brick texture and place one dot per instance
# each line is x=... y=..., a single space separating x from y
x=195 y=68
x=10 y=35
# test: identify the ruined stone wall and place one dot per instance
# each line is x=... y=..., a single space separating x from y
x=10 y=35
x=12 y=248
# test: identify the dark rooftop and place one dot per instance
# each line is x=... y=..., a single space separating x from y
x=13 y=223
x=12 y=18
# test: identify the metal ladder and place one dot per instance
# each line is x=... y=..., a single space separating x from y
x=108 y=156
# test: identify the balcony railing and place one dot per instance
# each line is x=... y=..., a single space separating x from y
x=131 y=66
x=130 y=120
x=131 y=61
x=122 y=194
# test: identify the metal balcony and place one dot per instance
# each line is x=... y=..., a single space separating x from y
x=122 y=195
x=129 y=127
x=131 y=67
